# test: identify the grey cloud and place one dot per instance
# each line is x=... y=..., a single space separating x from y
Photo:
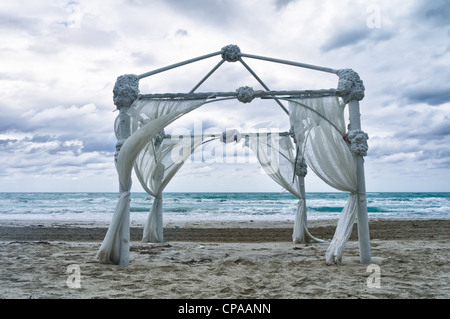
x=427 y=132
x=99 y=145
x=41 y=138
x=181 y=32
x=436 y=157
x=8 y=121
x=77 y=161
x=280 y=4
x=436 y=12
x=75 y=143
x=420 y=136
x=9 y=76
x=378 y=151
x=216 y=12
x=100 y=141
x=439 y=154
x=431 y=154
x=7 y=142
x=430 y=95
x=8 y=22
x=142 y=59
x=340 y=39
x=48 y=155
x=87 y=37
x=61 y=38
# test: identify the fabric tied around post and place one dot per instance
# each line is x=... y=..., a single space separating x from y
x=153 y=228
x=115 y=246
x=301 y=169
x=357 y=142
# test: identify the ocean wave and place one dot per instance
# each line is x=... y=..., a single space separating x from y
x=216 y=206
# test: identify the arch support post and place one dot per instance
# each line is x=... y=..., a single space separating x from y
x=351 y=89
x=362 y=217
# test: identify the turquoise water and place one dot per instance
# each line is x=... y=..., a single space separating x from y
x=216 y=206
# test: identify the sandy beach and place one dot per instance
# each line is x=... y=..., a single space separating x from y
x=224 y=260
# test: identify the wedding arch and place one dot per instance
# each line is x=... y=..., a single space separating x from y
x=318 y=138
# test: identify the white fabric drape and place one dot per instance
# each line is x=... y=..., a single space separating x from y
x=276 y=155
x=160 y=159
x=116 y=244
x=319 y=127
x=155 y=166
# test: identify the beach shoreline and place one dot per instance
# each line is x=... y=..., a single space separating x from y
x=224 y=260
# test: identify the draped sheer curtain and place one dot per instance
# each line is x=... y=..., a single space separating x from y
x=276 y=156
x=148 y=118
x=319 y=128
x=318 y=125
x=155 y=166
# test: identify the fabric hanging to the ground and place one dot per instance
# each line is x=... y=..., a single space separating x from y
x=146 y=124
x=319 y=129
x=276 y=155
x=155 y=166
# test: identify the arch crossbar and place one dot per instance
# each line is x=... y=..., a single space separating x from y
x=255 y=94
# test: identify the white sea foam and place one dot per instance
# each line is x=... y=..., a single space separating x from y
x=99 y=207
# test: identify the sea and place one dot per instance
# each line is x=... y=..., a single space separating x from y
x=183 y=207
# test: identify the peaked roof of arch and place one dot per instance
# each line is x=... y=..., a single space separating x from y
x=232 y=53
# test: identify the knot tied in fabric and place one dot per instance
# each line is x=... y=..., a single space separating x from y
x=245 y=94
x=126 y=90
x=230 y=136
x=301 y=169
x=357 y=142
x=231 y=53
x=350 y=86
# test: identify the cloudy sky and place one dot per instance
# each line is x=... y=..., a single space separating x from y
x=59 y=61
